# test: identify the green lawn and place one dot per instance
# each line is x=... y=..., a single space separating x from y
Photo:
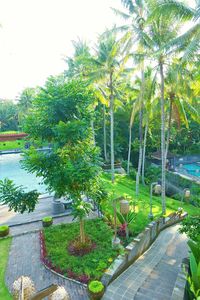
x=125 y=185
x=11 y=145
x=4 y=251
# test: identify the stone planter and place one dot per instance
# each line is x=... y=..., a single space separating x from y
x=95 y=296
x=116 y=243
x=4 y=230
x=58 y=207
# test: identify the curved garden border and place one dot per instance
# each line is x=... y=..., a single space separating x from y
x=134 y=250
x=48 y=264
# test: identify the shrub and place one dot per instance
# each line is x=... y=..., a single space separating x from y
x=47 y=221
x=4 y=230
x=191 y=226
x=78 y=248
x=95 y=286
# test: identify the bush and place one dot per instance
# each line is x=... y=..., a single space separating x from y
x=95 y=286
x=96 y=290
x=191 y=226
x=47 y=221
x=4 y=230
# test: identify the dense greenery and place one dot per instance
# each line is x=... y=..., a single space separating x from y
x=4 y=250
x=93 y=264
x=124 y=186
x=16 y=197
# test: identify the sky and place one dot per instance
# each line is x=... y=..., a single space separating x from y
x=36 y=35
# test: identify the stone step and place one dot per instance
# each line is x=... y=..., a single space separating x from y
x=140 y=296
x=153 y=294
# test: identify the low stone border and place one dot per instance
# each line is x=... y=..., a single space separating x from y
x=139 y=245
x=179 y=291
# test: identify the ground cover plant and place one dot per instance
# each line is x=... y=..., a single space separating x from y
x=4 y=250
x=91 y=266
x=124 y=185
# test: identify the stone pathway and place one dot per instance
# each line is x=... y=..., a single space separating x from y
x=24 y=259
x=153 y=275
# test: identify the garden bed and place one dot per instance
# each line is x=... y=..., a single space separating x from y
x=55 y=254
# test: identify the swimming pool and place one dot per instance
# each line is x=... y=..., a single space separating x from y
x=192 y=169
x=10 y=167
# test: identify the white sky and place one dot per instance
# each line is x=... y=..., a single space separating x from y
x=36 y=35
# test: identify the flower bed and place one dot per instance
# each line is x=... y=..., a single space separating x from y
x=56 y=240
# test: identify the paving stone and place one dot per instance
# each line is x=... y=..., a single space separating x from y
x=153 y=275
x=24 y=259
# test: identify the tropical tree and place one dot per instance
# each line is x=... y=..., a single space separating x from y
x=108 y=66
x=189 y=41
x=161 y=32
x=136 y=14
x=8 y=115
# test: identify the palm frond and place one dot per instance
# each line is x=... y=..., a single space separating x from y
x=120 y=13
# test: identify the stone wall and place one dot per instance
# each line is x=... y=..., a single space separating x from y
x=139 y=245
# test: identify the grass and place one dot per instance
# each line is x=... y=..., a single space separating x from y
x=92 y=265
x=11 y=145
x=4 y=252
x=125 y=185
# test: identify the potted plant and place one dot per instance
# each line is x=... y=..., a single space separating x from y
x=4 y=230
x=47 y=221
x=95 y=290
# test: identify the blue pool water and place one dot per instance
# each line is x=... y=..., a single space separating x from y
x=10 y=168
x=192 y=169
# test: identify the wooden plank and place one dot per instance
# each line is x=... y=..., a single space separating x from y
x=45 y=292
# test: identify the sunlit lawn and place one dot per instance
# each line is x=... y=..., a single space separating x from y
x=10 y=145
x=125 y=185
x=4 y=252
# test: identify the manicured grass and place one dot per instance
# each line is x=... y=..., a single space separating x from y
x=125 y=185
x=11 y=145
x=93 y=264
x=4 y=252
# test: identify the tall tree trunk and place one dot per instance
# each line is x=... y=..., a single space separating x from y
x=144 y=151
x=140 y=132
x=168 y=129
x=93 y=132
x=129 y=149
x=162 y=137
x=82 y=231
x=104 y=134
x=112 y=128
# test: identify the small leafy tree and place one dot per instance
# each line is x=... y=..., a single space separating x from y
x=80 y=210
x=61 y=115
x=16 y=198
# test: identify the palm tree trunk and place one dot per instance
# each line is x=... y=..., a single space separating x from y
x=140 y=133
x=168 y=129
x=93 y=132
x=104 y=134
x=144 y=151
x=162 y=137
x=140 y=153
x=129 y=149
x=82 y=231
x=112 y=129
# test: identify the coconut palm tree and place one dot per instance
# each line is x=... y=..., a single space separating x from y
x=108 y=65
x=161 y=32
x=189 y=41
x=180 y=95
x=136 y=14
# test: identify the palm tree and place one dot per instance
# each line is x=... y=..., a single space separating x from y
x=188 y=42
x=108 y=66
x=180 y=95
x=134 y=33
x=161 y=32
